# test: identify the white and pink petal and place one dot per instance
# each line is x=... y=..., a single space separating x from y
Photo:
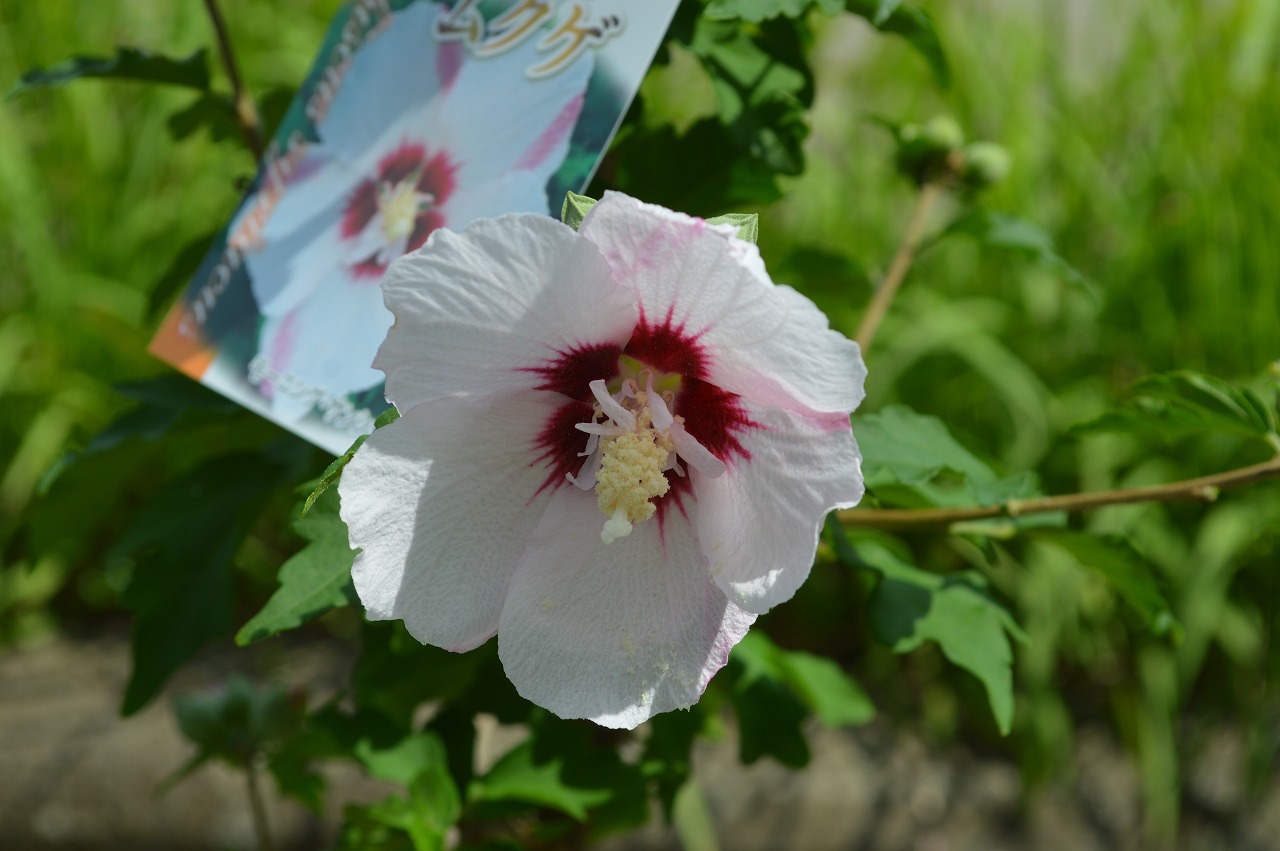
x=614 y=632
x=442 y=503
x=483 y=311
x=759 y=524
x=757 y=339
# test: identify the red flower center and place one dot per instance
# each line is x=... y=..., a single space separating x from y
x=402 y=199
x=715 y=417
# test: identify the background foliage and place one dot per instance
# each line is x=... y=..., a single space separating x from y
x=1145 y=167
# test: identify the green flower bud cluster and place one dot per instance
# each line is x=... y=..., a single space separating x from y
x=936 y=151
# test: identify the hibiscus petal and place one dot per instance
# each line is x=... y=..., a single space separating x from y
x=762 y=341
x=475 y=311
x=443 y=501
x=614 y=632
x=759 y=523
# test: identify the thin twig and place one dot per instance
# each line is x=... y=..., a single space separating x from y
x=258 y=807
x=1204 y=489
x=900 y=265
x=246 y=112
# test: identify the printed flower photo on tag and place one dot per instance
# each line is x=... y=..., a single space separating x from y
x=420 y=115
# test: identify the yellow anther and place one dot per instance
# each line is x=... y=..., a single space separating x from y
x=631 y=474
x=399 y=207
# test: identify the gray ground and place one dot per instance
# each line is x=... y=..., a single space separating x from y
x=75 y=776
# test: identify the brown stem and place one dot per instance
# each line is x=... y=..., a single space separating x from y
x=899 y=266
x=1204 y=489
x=246 y=111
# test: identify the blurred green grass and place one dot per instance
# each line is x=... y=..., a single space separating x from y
x=1144 y=141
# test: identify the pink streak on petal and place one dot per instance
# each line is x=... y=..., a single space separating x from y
x=559 y=129
x=449 y=58
x=280 y=351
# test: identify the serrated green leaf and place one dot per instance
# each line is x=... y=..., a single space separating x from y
x=748 y=225
x=314 y=581
x=333 y=472
x=763 y=87
x=1183 y=403
x=128 y=64
x=911 y=606
x=418 y=763
x=1124 y=569
x=1000 y=230
x=517 y=777
x=903 y=448
x=575 y=209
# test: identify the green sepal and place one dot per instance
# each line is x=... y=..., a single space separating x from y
x=748 y=225
x=575 y=208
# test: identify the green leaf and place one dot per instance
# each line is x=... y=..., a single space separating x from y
x=819 y=683
x=433 y=805
x=314 y=581
x=748 y=225
x=1000 y=230
x=518 y=777
x=885 y=10
x=1124 y=569
x=911 y=23
x=418 y=763
x=667 y=759
x=763 y=87
x=760 y=10
x=911 y=606
x=165 y=403
x=1183 y=403
x=128 y=64
x=691 y=172
x=181 y=544
x=213 y=111
x=575 y=209
x=770 y=719
x=333 y=472
x=901 y=447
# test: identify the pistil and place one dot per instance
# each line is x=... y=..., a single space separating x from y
x=629 y=454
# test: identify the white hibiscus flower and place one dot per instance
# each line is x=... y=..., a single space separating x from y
x=616 y=448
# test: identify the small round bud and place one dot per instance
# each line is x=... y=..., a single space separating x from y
x=985 y=164
x=928 y=151
x=942 y=133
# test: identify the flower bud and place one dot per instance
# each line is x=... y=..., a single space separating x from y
x=942 y=133
x=985 y=164
x=928 y=151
